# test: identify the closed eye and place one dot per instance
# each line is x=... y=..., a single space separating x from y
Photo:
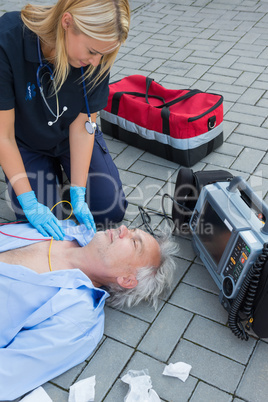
x=92 y=53
x=137 y=240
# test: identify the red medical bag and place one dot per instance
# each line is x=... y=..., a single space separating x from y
x=179 y=125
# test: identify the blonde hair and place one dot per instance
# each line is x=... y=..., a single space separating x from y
x=105 y=20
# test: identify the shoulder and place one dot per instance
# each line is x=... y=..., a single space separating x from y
x=10 y=21
x=11 y=31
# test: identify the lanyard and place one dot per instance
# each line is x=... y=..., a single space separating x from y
x=89 y=125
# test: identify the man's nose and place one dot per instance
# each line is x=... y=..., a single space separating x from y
x=123 y=231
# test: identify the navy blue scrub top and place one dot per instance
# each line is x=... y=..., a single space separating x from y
x=18 y=89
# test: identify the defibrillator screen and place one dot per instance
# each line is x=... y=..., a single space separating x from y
x=213 y=233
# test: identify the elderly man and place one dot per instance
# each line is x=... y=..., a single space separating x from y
x=52 y=295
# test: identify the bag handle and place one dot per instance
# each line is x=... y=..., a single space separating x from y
x=188 y=95
x=117 y=97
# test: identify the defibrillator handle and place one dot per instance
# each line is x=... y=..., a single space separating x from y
x=238 y=183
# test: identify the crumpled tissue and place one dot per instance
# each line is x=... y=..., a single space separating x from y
x=39 y=394
x=83 y=391
x=179 y=369
x=140 y=387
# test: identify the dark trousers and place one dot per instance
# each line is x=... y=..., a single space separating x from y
x=104 y=194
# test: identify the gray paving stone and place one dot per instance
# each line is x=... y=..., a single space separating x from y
x=249 y=109
x=228 y=128
x=130 y=179
x=197 y=72
x=156 y=201
x=225 y=89
x=3 y=188
x=258 y=183
x=263 y=103
x=226 y=61
x=224 y=79
x=230 y=149
x=154 y=171
x=245 y=64
x=128 y=157
x=114 y=146
x=105 y=365
x=124 y=328
x=127 y=190
x=118 y=392
x=256 y=132
x=219 y=339
x=248 y=141
x=2 y=176
x=6 y=212
x=199 y=276
x=200 y=302
x=68 y=378
x=144 y=311
x=168 y=388
x=145 y=190
x=181 y=267
x=186 y=249
x=251 y=96
x=244 y=118
x=205 y=392
x=179 y=82
x=55 y=393
x=203 y=55
x=248 y=160
x=169 y=325
x=210 y=367
x=148 y=157
x=254 y=386
x=218 y=159
x=262 y=170
x=131 y=212
x=174 y=67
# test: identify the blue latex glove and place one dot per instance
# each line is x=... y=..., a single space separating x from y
x=40 y=216
x=80 y=207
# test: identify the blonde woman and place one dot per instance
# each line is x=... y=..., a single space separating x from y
x=54 y=72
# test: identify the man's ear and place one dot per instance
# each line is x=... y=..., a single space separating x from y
x=128 y=282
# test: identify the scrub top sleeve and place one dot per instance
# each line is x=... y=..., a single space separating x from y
x=7 y=97
x=98 y=96
x=41 y=353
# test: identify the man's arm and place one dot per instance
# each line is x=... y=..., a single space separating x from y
x=38 y=354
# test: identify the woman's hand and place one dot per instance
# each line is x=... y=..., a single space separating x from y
x=80 y=207
x=40 y=216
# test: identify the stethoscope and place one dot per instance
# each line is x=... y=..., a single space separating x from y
x=89 y=125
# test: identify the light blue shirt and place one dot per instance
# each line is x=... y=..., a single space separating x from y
x=49 y=322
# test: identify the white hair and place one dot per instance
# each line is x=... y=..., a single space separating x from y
x=152 y=281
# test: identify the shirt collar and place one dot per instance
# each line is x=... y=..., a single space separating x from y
x=30 y=46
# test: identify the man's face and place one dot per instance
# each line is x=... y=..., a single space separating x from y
x=123 y=251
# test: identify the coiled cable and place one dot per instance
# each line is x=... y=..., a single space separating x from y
x=251 y=282
x=252 y=290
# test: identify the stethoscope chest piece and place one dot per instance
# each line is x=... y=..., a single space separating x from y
x=90 y=127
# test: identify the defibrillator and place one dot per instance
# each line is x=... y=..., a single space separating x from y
x=229 y=229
